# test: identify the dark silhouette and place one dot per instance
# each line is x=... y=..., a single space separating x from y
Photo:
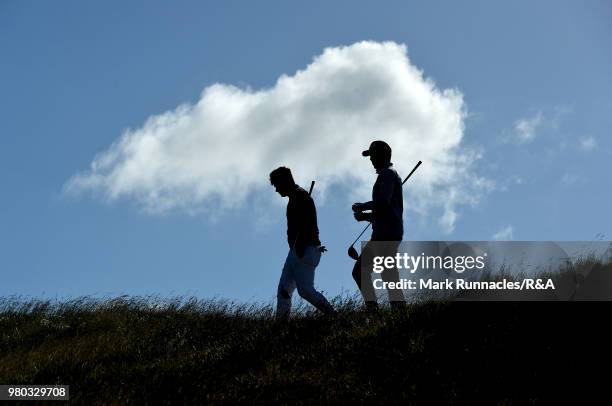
x=385 y=212
x=304 y=246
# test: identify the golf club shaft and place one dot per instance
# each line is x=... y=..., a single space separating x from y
x=411 y=172
x=369 y=224
x=359 y=236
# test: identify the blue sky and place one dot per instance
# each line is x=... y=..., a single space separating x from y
x=535 y=83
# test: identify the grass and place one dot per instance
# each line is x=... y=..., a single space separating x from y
x=150 y=350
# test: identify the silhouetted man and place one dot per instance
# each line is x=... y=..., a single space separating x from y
x=385 y=212
x=304 y=246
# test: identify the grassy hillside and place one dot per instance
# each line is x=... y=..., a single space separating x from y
x=142 y=350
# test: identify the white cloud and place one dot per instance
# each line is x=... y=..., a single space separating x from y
x=505 y=234
x=525 y=128
x=544 y=122
x=216 y=153
x=510 y=182
x=587 y=143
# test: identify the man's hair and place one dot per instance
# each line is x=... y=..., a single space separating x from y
x=281 y=175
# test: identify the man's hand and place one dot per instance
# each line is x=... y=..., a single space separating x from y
x=361 y=216
x=357 y=207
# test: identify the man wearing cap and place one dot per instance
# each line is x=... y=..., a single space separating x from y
x=385 y=212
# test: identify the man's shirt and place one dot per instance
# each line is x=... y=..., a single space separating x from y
x=387 y=206
x=302 y=219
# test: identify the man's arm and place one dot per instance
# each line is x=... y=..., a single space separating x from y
x=363 y=206
x=306 y=223
x=383 y=193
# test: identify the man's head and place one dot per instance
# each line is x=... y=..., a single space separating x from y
x=379 y=153
x=282 y=180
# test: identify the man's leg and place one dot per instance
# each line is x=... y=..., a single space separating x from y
x=396 y=296
x=363 y=279
x=286 y=286
x=304 y=278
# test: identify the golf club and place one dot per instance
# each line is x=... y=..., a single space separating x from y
x=352 y=252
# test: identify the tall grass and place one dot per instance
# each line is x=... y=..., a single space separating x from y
x=151 y=350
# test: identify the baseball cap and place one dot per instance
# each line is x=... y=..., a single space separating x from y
x=377 y=147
